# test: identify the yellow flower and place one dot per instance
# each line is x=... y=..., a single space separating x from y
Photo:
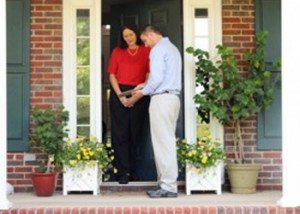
x=94 y=139
x=72 y=162
x=84 y=151
x=115 y=170
x=112 y=157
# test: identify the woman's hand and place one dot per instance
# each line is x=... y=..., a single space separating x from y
x=127 y=102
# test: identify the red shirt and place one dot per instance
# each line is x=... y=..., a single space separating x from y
x=129 y=67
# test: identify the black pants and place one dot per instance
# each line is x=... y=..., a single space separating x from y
x=127 y=125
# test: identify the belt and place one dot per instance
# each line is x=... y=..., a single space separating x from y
x=166 y=92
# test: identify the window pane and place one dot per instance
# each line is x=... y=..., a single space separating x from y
x=201 y=43
x=83 y=23
x=83 y=110
x=83 y=51
x=83 y=131
x=83 y=81
x=201 y=27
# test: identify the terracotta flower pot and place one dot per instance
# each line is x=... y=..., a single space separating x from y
x=44 y=183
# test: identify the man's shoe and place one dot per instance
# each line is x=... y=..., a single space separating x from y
x=161 y=193
x=152 y=190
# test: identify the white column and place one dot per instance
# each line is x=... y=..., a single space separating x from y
x=189 y=74
x=4 y=203
x=290 y=104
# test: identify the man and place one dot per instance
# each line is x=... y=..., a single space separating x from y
x=164 y=86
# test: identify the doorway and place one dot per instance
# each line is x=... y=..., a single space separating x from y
x=166 y=15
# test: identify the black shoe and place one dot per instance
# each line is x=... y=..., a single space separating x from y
x=161 y=193
x=124 y=179
x=152 y=190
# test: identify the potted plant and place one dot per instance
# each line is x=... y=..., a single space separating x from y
x=85 y=160
x=48 y=134
x=231 y=95
x=202 y=161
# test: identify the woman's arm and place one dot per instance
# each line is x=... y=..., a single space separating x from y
x=114 y=83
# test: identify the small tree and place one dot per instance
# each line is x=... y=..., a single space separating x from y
x=49 y=132
x=229 y=94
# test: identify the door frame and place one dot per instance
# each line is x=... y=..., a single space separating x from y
x=215 y=32
x=188 y=6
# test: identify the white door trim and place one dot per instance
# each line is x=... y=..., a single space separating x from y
x=215 y=35
x=4 y=203
x=69 y=63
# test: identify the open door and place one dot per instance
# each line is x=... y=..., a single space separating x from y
x=167 y=16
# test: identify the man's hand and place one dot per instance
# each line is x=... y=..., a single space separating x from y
x=139 y=86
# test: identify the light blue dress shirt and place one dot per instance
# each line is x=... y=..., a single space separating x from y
x=165 y=69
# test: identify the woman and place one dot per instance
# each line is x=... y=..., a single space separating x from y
x=128 y=68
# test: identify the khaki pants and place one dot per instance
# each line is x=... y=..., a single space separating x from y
x=164 y=111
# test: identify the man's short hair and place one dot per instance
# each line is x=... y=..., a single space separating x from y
x=151 y=28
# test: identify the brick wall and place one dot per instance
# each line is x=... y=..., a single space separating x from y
x=238 y=33
x=45 y=79
x=46 y=84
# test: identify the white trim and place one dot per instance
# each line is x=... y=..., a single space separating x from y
x=69 y=63
x=4 y=203
x=215 y=35
x=290 y=105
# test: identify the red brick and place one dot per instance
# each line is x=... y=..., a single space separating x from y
x=118 y=210
x=43 y=93
x=52 y=64
x=54 y=14
x=232 y=19
x=126 y=210
x=43 y=32
x=43 y=45
x=241 y=26
x=42 y=20
x=204 y=210
x=66 y=211
x=43 y=8
x=273 y=155
x=53 y=2
x=160 y=210
x=109 y=210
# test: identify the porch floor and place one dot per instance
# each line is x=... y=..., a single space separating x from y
x=139 y=203
x=140 y=199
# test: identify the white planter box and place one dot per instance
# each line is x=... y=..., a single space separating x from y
x=80 y=178
x=207 y=180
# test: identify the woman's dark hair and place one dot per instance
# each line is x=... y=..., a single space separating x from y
x=122 y=42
